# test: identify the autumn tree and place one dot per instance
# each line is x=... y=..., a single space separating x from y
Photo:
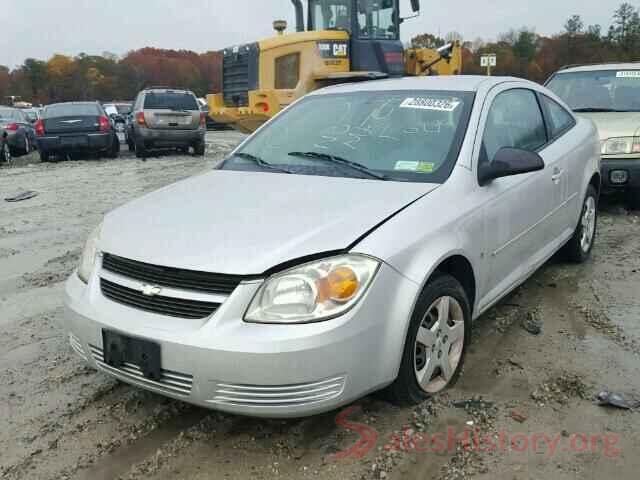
x=625 y=30
x=427 y=40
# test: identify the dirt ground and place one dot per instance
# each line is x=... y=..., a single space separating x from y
x=524 y=407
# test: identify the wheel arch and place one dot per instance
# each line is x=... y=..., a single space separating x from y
x=596 y=182
x=460 y=268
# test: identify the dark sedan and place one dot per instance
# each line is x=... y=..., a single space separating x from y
x=18 y=129
x=76 y=127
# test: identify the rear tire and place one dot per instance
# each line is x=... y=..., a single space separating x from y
x=45 y=156
x=27 y=146
x=578 y=249
x=115 y=148
x=633 y=198
x=141 y=151
x=439 y=332
x=199 y=149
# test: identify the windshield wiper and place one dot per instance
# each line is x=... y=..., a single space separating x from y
x=593 y=110
x=340 y=161
x=260 y=162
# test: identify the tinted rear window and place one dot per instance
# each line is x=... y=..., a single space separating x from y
x=72 y=110
x=170 y=101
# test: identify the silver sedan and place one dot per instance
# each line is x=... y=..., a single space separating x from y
x=345 y=247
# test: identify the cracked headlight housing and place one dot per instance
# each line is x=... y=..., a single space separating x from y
x=313 y=292
x=89 y=254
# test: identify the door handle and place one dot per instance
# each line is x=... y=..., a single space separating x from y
x=557 y=174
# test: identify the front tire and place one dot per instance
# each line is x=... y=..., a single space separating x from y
x=633 y=198
x=5 y=153
x=578 y=249
x=436 y=343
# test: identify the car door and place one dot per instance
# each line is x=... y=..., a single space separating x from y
x=26 y=124
x=516 y=209
x=569 y=162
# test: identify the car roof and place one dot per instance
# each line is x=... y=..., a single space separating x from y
x=456 y=83
x=73 y=103
x=166 y=90
x=600 y=67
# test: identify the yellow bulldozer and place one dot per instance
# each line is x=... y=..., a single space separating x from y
x=344 y=41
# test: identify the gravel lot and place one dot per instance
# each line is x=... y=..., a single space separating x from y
x=62 y=420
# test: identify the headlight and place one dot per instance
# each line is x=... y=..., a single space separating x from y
x=313 y=292
x=621 y=146
x=88 y=259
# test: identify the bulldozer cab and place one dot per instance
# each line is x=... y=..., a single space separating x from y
x=373 y=27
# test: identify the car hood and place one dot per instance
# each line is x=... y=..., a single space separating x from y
x=615 y=124
x=248 y=222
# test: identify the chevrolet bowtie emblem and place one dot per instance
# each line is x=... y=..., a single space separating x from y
x=151 y=290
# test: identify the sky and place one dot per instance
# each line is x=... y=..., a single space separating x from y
x=40 y=28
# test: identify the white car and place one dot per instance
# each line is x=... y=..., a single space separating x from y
x=344 y=248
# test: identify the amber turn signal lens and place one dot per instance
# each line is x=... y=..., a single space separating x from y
x=340 y=285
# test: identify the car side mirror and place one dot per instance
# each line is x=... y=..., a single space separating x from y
x=508 y=162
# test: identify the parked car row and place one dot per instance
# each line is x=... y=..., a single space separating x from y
x=17 y=131
x=160 y=118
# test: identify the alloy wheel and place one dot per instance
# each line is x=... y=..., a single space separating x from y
x=588 y=224
x=439 y=344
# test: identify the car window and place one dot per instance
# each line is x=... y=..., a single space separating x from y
x=72 y=109
x=9 y=114
x=405 y=136
x=170 y=101
x=561 y=120
x=515 y=120
x=376 y=19
x=123 y=109
x=601 y=90
x=111 y=109
x=330 y=14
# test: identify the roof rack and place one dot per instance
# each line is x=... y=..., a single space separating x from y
x=574 y=65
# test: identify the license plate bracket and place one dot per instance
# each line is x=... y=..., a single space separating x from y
x=74 y=141
x=120 y=349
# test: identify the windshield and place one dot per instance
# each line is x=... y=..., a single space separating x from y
x=607 y=90
x=170 y=101
x=377 y=19
x=330 y=14
x=404 y=136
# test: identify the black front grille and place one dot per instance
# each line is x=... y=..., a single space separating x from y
x=239 y=74
x=172 y=277
x=173 y=307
